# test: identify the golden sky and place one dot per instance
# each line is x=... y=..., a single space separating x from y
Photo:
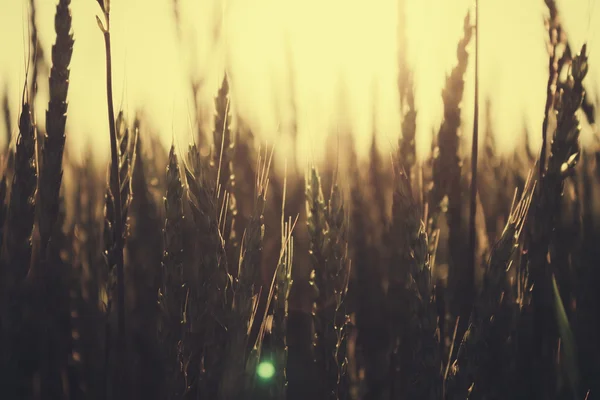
x=339 y=56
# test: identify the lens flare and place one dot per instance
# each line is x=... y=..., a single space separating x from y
x=265 y=370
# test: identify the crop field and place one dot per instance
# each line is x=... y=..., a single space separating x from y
x=221 y=221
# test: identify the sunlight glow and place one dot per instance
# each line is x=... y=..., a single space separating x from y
x=334 y=62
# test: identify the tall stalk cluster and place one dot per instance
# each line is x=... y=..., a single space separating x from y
x=327 y=228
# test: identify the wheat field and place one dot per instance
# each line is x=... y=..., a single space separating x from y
x=237 y=207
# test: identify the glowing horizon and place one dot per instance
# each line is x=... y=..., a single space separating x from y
x=340 y=59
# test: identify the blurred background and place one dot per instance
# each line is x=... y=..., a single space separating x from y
x=334 y=62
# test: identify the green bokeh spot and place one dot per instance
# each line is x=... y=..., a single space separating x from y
x=265 y=370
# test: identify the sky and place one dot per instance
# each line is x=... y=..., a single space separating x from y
x=335 y=60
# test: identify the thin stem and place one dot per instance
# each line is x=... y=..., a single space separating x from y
x=449 y=363
x=115 y=185
x=474 y=156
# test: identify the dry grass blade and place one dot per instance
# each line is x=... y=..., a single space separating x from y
x=474 y=369
x=567 y=341
x=416 y=360
x=327 y=227
x=564 y=154
x=283 y=285
x=223 y=155
x=114 y=239
x=115 y=185
x=339 y=267
x=172 y=296
x=208 y=302
x=315 y=210
x=127 y=162
x=112 y=242
x=275 y=318
x=202 y=194
x=245 y=298
x=115 y=229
